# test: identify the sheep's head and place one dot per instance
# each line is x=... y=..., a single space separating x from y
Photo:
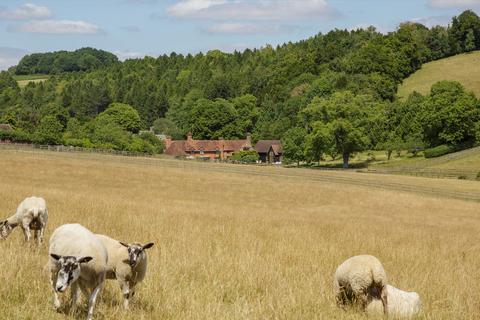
x=5 y=229
x=69 y=272
x=136 y=252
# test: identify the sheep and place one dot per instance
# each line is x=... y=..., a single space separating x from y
x=32 y=213
x=78 y=259
x=359 y=280
x=127 y=263
x=401 y=304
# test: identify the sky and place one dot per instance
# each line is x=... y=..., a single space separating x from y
x=135 y=28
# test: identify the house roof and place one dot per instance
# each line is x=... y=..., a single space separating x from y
x=263 y=146
x=181 y=147
x=5 y=127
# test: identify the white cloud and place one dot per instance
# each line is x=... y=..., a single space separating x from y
x=26 y=12
x=453 y=3
x=10 y=57
x=245 y=28
x=124 y=55
x=57 y=27
x=266 y=10
x=434 y=21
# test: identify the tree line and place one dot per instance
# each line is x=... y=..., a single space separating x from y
x=332 y=93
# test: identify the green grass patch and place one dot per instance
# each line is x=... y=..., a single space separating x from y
x=464 y=68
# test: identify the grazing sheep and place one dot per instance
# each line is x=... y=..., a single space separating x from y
x=359 y=280
x=31 y=214
x=77 y=259
x=127 y=263
x=401 y=304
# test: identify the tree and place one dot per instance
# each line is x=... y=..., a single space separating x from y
x=168 y=127
x=347 y=139
x=293 y=143
x=209 y=119
x=318 y=142
x=449 y=115
x=49 y=131
x=122 y=115
x=470 y=41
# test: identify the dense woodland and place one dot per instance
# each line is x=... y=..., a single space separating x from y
x=332 y=94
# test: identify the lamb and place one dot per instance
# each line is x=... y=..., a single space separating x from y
x=401 y=304
x=127 y=263
x=359 y=280
x=77 y=259
x=31 y=214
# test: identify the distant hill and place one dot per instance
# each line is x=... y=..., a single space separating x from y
x=85 y=59
x=464 y=68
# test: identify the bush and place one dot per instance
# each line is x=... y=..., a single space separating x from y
x=246 y=156
x=439 y=151
x=478 y=176
x=15 y=136
x=156 y=143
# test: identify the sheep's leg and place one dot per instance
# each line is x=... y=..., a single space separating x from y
x=126 y=293
x=75 y=291
x=383 y=297
x=56 y=301
x=39 y=234
x=91 y=301
x=26 y=229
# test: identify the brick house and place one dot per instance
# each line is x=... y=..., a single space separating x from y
x=219 y=149
x=269 y=151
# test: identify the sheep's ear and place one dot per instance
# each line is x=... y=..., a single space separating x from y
x=55 y=256
x=148 y=245
x=85 y=259
x=124 y=244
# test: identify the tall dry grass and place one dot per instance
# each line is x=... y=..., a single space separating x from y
x=236 y=246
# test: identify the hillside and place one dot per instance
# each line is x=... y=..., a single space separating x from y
x=464 y=68
x=23 y=80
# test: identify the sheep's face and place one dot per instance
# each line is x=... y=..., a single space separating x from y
x=136 y=252
x=5 y=229
x=69 y=270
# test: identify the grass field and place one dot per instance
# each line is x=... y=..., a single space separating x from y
x=464 y=68
x=241 y=242
x=23 y=80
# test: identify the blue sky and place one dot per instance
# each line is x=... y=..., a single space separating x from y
x=133 y=28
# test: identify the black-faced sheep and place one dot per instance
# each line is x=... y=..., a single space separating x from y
x=127 y=263
x=77 y=259
x=359 y=280
x=31 y=214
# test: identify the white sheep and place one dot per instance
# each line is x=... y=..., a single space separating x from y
x=127 y=263
x=32 y=214
x=401 y=304
x=359 y=280
x=77 y=259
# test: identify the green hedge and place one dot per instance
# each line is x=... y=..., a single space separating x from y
x=15 y=136
x=439 y=151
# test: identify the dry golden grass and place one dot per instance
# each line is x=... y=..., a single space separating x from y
x=464 y=68
x=232 y=245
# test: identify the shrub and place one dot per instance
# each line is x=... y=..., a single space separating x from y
x=439 y=151
x=156 y=143
x=246 y=156
x=478 y=176
x=15 y=136
x=49 y=131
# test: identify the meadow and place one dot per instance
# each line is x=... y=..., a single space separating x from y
x=464 y=68
x=241 y=242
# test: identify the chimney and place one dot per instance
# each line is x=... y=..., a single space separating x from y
x=221 y=142
x=189 y=137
